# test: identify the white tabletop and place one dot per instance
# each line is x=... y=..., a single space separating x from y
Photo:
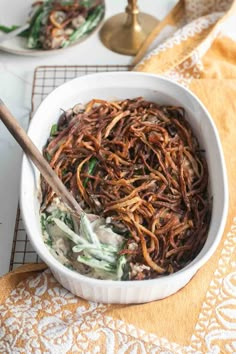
x=16 y=75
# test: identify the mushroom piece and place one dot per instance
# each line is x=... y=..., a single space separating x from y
x=105 y=233
x=78 y=108
x=57 y=32
x=57 y=18
x=78 y=21
x=57 y=42
x=69 y=31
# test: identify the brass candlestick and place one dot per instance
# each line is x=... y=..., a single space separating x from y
x=124 y=33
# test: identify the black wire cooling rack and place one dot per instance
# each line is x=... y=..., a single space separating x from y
x=46 y=79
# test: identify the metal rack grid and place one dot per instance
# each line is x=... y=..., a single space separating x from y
x=46 y=79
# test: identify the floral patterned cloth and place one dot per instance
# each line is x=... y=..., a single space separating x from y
x=37 y=315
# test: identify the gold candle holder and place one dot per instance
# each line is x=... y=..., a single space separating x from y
x=124 y=33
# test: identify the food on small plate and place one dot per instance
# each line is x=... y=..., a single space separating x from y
x=139 y=167
x=57 y=24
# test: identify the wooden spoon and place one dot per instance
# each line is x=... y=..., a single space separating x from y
x=34 y=154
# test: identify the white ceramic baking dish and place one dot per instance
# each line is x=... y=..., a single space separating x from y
x=122 y=85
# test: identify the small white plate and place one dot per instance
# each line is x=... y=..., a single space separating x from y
x=15 y=12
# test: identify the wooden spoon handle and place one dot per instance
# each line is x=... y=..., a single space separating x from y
x=34 y=154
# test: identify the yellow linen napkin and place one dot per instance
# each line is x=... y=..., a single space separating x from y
x=37 y=315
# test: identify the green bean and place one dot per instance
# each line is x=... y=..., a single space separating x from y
x=69 y=233
x=91 y=166
x=6 y=29
x=87 y=3
x=120 y=267
x=53 y=130
x=36 y=24
x=87 y=232
x=48 y=156
x=96 y=264
x=33 y=40
x=91 y=22
x=93 y=251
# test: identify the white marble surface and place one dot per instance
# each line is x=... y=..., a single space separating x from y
x=16 y=74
